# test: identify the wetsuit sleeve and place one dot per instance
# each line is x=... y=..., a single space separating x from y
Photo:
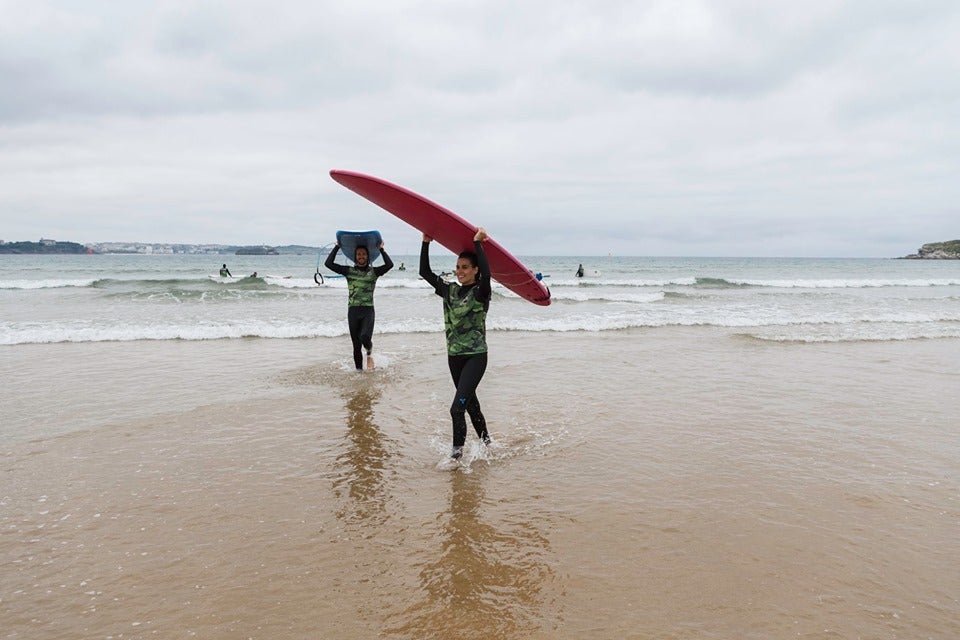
x=484 y=267
x=425 y=271
x=386 y=266
x=333 y=266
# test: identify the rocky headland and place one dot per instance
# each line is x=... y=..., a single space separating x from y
x=44 y=246
x=949 y=250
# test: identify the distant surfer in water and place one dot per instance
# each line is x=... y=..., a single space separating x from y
x=580 y=271
x=361 y=280
x=224 y=272
x=465 y=308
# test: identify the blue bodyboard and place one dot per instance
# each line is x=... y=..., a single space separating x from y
x=350 y=240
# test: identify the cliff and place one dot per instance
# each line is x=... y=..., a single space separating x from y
x=949 y=250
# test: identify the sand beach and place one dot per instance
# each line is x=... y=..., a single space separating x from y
x=669 y=483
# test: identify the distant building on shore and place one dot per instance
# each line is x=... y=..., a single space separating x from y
x=257 y=251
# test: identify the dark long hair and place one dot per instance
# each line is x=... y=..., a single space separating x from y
x=471 y=256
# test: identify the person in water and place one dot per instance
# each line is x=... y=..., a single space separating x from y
x=224 y=272
x=465 y=308
x=361 y=281
x=580 y=271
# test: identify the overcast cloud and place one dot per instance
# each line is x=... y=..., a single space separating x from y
x=635 y=128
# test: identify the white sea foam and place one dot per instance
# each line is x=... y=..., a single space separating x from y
x=620 y=282
x=290 y=282
x=640 y=316
x=842 y=283
x=64 y=332
x=608 y=296
x=341 y=283
x=55 y=283
x=717 y=281
x=867 y=332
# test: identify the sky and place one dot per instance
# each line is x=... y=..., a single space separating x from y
x=594 y=127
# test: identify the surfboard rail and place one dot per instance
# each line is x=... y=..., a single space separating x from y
x=350 y=240
x=447 y=228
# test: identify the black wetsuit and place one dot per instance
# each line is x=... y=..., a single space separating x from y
x=464 y=313
x=360 y=313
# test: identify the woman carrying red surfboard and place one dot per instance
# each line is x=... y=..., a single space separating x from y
x=465 y=308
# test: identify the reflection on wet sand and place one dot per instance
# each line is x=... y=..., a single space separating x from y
x=487 y=580
x=363 y=461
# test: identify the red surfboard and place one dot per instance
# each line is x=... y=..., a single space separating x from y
x=447 y=228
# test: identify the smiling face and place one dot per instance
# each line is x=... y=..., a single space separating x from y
x=361 y=256
x=466 y=271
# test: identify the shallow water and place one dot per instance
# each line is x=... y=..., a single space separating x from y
x=669 y=483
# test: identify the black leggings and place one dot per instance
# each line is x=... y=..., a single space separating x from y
x=467 y=371
x=360 y=320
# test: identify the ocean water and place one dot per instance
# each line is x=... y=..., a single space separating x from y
x=50 y=299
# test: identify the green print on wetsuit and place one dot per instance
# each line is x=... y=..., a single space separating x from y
x=464 y=320
x=360 y=282
x=360 y=286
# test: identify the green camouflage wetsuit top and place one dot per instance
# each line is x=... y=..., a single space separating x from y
x=360 y=285
x=360 y=313
x=465 y=322
x=464 y=319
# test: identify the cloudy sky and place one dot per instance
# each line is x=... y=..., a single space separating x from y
x=710 y=128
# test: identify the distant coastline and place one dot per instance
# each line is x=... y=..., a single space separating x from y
x=47 y=246
x=44 y=246
x=949 y=250
x=257 y=251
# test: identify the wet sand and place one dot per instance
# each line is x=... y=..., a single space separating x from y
x=676 y=483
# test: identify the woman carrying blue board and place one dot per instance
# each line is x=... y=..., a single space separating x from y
x=361 y=281
x=465 y=308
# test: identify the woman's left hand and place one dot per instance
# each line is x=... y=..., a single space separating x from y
x=481 y=235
